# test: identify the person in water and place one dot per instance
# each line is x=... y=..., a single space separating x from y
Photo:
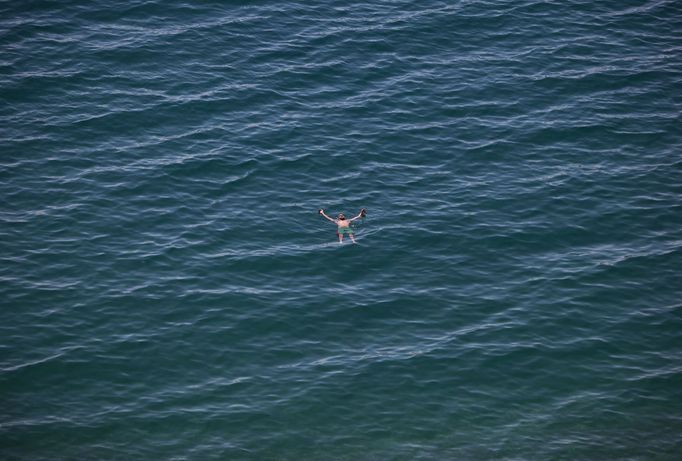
x=343 y=224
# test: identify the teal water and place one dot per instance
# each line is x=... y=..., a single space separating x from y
x=169 y=291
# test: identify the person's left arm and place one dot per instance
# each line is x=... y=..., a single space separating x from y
x=360 y=215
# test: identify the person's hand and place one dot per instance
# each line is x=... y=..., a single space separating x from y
x=320 y=211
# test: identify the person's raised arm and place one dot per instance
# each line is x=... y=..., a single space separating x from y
x=321 y=211
x=360 y=215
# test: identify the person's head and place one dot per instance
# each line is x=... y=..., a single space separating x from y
x=341 y=217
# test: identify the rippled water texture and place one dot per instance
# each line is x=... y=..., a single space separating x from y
x=169 y=291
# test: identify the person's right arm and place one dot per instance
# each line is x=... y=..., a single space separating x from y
x=323 y=214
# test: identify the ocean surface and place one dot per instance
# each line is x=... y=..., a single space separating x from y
x=170 y=292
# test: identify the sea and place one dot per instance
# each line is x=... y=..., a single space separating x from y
x=169 y=290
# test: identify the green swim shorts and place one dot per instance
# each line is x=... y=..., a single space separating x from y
x=345 y=230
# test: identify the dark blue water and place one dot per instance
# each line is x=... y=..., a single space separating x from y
x=169 y=291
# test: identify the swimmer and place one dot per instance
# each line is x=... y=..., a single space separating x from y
x=343 y=224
